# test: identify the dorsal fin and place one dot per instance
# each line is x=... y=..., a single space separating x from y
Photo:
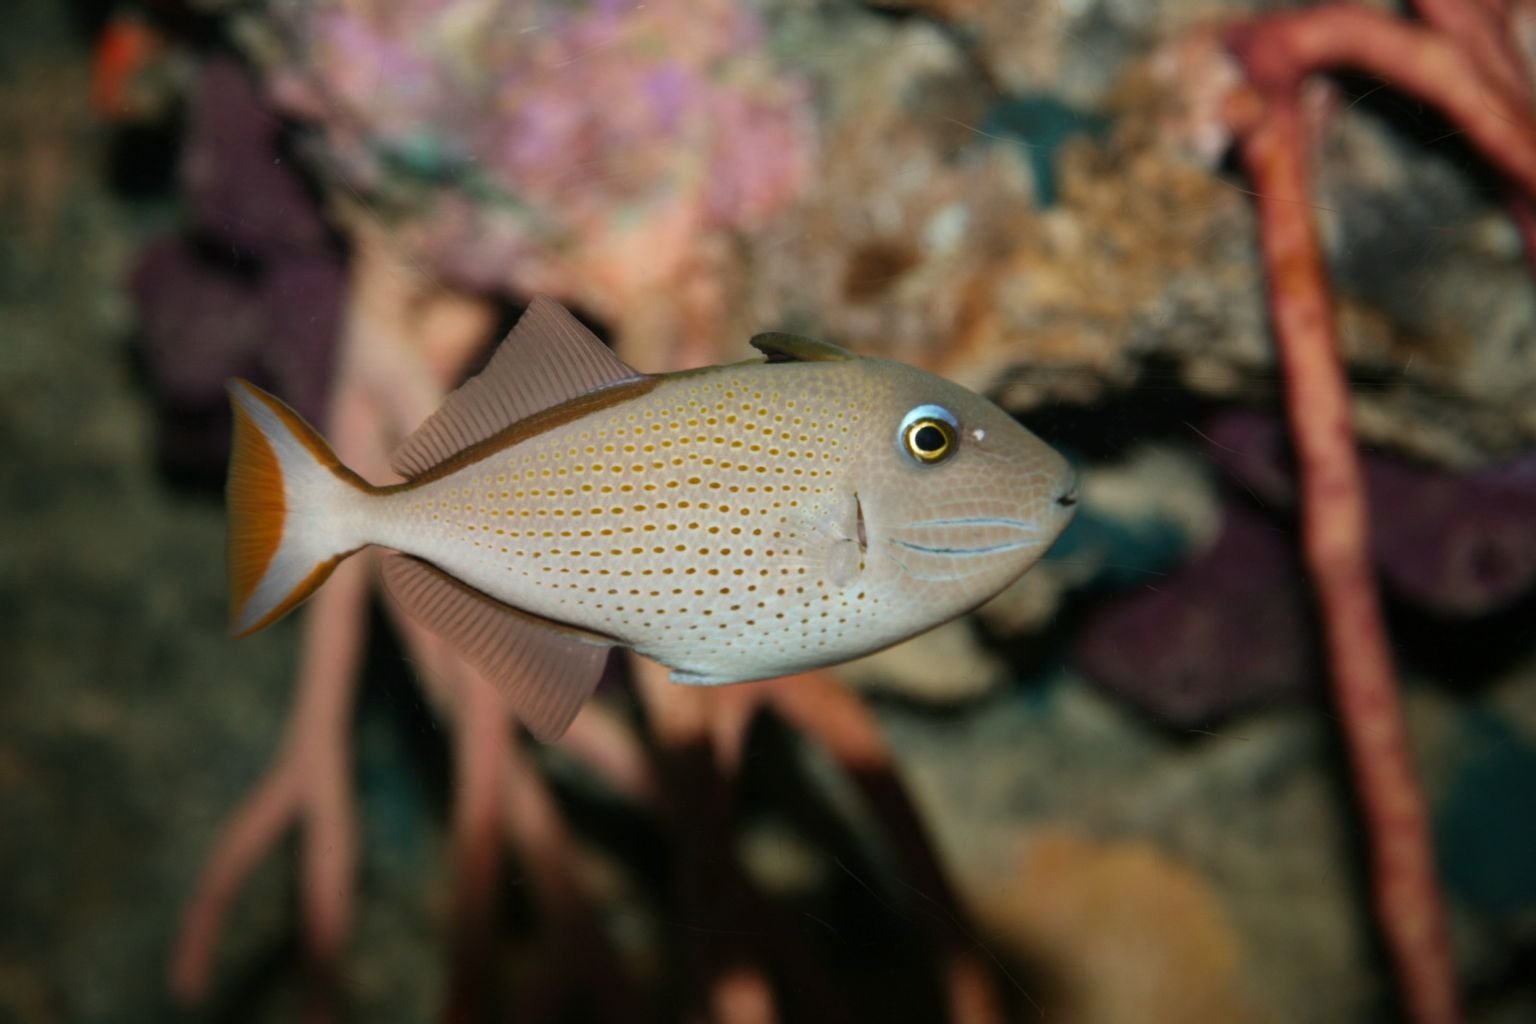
x=547 y=359
x=546 y=670
x=791 y=348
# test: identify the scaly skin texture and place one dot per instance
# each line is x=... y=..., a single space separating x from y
x=745 y=521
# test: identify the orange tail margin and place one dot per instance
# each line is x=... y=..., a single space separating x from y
x=287 y=497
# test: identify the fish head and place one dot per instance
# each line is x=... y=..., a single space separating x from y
x=957 y=498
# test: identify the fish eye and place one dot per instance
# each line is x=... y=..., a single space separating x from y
x=928 y=434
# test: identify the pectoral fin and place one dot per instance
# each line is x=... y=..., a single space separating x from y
x=831 y=539
x=546 y=670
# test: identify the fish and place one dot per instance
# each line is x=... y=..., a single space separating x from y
x=736 y=522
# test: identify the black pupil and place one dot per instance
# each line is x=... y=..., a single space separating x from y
x=929 y=439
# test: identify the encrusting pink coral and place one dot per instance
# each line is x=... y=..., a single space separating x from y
x=586 y=151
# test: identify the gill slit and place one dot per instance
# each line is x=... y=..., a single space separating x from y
x=1015 y=524
x=944 y=577
x=993 y=549
x=860 y=531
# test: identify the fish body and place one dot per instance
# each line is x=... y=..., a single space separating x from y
x=733 y=523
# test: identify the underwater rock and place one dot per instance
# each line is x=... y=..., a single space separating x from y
x=1042 y=258
x=199 y=322
x=203 y=320
x=974 y=262
x=236 y=172
x=1233 y=628
x=1455 y=543
x=1436 y=310
x=1485 y=826
x=252 y=288
x=1251 y=808
x=1143 y=250
x=1073 y=49
x=1137 y=517
x=1116 y=932
x=1227 y=631
x=944 y=666
x=1253 y=450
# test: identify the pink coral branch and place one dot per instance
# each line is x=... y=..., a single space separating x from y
x=1486 y=33
x=1465 y=63
x=501 y=796
x=484 y=741
x=611 y=749
x=1481 y=27
x=581 y=964
x=500 y=793
x=686 y=722
x=1277 y=54
x=245 y=840
x=1337 y=552
x=333 y=653
x=818 y=704
x=733 y=984
x=1278 y=51
x=308 y=784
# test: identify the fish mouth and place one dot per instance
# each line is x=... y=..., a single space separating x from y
x=860 y=529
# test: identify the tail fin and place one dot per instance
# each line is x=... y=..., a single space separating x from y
x=290 y=510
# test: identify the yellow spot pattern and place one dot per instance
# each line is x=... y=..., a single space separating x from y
x=692 y=522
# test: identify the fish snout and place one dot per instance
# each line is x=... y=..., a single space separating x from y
x=1067 y=493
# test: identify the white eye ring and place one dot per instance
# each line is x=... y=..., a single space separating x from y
x=928 y=434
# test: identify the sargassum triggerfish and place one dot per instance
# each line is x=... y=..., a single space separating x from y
x=733 y=523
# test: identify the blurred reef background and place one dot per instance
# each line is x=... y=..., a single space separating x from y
x=1127 y=766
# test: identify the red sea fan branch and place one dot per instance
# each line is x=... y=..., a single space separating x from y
x=1464 y=64
x=1337 y=553
x=1278 y=52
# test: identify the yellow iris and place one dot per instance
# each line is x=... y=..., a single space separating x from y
x=929 y=440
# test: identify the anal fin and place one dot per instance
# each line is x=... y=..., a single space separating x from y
x=546 y=670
